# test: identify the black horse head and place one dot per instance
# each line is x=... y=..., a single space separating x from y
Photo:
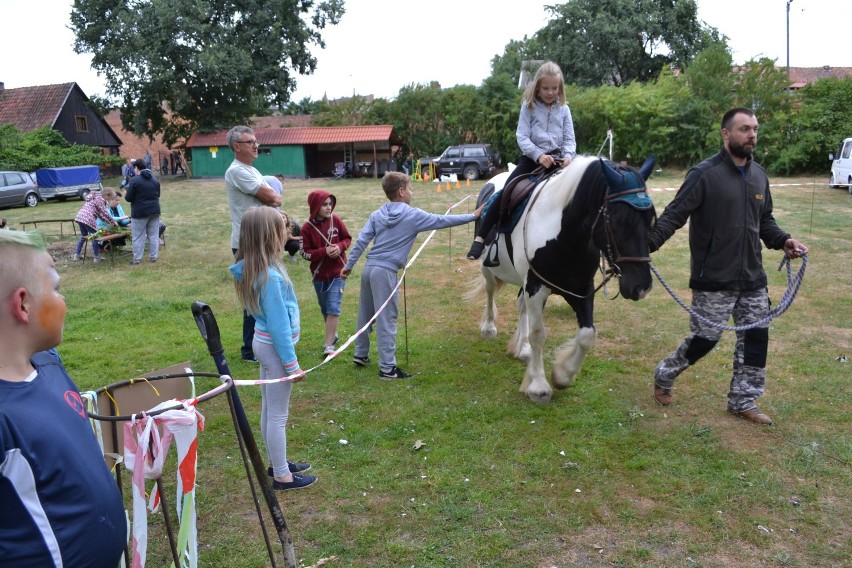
x=623 y=222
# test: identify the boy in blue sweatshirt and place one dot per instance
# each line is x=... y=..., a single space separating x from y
x=392 y=228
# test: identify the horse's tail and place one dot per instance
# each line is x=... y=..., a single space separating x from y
x=476 y=289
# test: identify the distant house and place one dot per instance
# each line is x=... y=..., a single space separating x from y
x=134 y=147
x=301 y=152
x=801 y=76
x=62 y=107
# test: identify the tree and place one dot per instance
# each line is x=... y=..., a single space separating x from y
x=100 y=105
x=618 y=41
x=711 y=83
x=821 y=120
x=45 y=148
x=179 y=66
x=351 y=111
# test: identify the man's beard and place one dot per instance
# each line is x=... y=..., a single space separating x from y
x=739 y=150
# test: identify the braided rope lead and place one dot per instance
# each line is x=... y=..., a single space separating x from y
x=793 y=284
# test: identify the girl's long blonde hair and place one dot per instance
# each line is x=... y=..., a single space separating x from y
x=263 y=234
x=547 y=69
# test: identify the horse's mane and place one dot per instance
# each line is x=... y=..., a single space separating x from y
x=581 y=184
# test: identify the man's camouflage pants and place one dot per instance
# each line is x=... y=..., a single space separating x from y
x=749 y=369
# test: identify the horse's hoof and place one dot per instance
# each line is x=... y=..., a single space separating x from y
x=562 y=381
x=540 y=397
x=488 y=332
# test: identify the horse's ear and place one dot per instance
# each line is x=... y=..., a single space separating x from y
x=647 y=167
x=614 y=178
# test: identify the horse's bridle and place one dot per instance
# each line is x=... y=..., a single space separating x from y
x=610 y=238
x=611 y=244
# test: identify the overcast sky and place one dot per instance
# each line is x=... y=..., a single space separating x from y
x=383 y=45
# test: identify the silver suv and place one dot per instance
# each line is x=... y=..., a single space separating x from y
x=18 y=188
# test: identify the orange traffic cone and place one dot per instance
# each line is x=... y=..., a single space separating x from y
x=468 y=183
x=458 y=185
x=439 y=188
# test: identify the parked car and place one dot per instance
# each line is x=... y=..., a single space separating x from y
x=18 y=188
x=841 y=166
x=470 y=161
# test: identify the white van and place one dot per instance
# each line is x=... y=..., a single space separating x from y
x=841 y=166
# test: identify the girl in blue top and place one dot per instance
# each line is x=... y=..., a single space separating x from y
x=545 y=135
x=266 y=292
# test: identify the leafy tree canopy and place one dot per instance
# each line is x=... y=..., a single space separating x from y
x=45 y=148
x=213 y=64
x=618 y=41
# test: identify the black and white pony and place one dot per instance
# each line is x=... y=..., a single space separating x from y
x=591 y=209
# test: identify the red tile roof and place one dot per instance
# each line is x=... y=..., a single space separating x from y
x=811 y=74
x=28 y=108
x=297 y=136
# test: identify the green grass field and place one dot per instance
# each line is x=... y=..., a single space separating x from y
x=456 y=467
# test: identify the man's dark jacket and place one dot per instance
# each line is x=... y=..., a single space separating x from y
x=729 y=212
x=143 y=193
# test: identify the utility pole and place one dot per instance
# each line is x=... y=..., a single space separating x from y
x=788 y=40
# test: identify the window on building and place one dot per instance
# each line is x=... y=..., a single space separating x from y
x=82 y=123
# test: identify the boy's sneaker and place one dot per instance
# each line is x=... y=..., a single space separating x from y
x=361 y=361
x=395 y=373
x=475 y=250
x=328 y=349
x=76 y=258
x=336 y=339
x=97 y=259
x=299 y=482
x=294 y=467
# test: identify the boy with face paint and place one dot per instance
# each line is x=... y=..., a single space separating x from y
x=61 y=506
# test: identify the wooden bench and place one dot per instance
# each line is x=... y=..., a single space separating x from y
x=112 y=252
x=34 y=223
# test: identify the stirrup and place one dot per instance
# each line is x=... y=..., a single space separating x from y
x=492 y=256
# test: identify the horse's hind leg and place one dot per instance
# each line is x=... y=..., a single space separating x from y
x=569 y=358
x=488 y=325
x=535 y=384
x=519 y=344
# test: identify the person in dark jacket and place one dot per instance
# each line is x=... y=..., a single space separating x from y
x=727 y=202
x=143 y=193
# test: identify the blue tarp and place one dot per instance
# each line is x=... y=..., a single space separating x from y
x=63 y=177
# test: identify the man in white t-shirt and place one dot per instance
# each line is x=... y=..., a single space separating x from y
x=246 y=188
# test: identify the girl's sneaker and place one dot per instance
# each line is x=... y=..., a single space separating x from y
x=294 y=467
x=299 y=482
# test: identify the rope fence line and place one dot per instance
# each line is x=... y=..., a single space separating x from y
x=366 y=326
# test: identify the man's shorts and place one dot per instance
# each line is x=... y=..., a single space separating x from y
x=330 y=295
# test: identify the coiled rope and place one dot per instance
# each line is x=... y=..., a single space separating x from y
x=793 y=285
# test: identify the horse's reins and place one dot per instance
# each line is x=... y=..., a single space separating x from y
x=793 y=284
x=611 y=243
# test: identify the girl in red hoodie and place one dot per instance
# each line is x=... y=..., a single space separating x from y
x=324 y=243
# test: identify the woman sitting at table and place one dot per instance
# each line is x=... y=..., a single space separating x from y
x=117 y=213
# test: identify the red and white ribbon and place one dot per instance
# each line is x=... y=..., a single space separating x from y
x=352 y=338
x=146 y=444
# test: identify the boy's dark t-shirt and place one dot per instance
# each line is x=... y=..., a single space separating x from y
x=57 y=495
